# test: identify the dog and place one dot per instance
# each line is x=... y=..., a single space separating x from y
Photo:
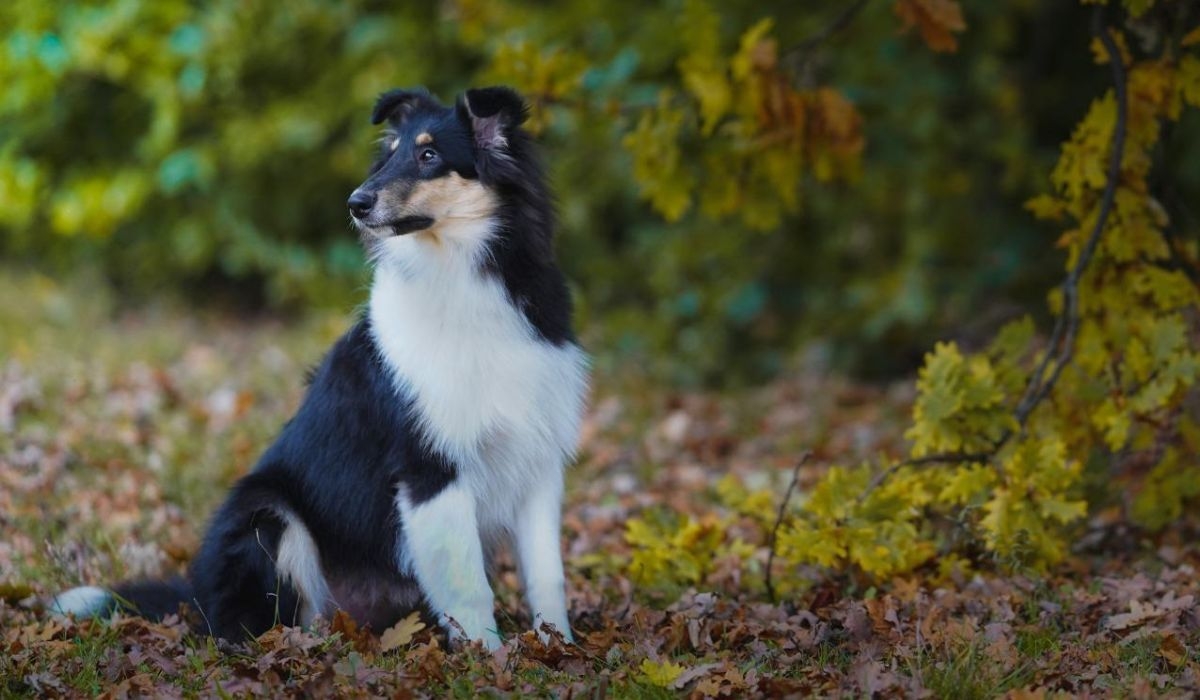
x=436 y=430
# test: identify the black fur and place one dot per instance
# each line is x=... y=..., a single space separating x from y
x=338 y=464
x=154 y=599
x=395 y=104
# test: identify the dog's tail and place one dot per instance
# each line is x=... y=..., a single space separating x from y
x=152 y=600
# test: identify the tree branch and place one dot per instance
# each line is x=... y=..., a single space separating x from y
x=1066 y=327
x=794 y=56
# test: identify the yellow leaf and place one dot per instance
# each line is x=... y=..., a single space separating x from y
x=800 y=543
x=662 y=674
x=755 y=50
x=703 y=69
x=967 y=484
x=1189 y=78
x=710 y=87
x=401 y=633
x=1045 y=206
x=836 y=496
x=1062 y=511
x=658 y=164
x=1100 y=54
x=1137 y=8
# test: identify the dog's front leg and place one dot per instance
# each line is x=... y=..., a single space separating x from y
x=538 y=548
x=443 y=550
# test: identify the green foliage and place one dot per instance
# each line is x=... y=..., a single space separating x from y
x=960 y=404
x=728 y=190
x=172 y=140
x=1000 y=437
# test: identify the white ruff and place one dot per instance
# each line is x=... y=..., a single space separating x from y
x=503 y=404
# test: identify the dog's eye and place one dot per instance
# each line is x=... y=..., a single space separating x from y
x=427 y=156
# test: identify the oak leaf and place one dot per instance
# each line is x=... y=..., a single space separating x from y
x=662 y=674
x=401 y=634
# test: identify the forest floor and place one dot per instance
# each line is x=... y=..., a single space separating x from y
x=120 y=432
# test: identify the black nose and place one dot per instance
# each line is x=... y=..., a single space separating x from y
x=360 y=203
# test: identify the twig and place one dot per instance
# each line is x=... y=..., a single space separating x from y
x=787 y=496
x=795 y=55
x=945 y=457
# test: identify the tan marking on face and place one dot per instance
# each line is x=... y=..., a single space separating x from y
x=452 y=198
x=452 y=201
x=424 y=138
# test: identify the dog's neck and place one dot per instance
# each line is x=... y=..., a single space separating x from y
x=448 y=249
x=469 y=358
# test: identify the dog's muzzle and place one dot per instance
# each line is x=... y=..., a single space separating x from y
x=362 y=203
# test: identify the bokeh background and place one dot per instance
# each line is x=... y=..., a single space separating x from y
x=205 y=151
x=772 y=213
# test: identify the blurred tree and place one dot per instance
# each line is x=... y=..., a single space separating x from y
x=734 y=179
x=170 y=141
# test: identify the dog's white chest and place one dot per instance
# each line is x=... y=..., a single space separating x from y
x=492 y=396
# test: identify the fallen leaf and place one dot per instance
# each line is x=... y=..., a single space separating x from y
x=1173 y=650
x=401 y=633
x=350 y=631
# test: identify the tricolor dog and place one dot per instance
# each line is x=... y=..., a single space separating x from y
x=437 y=428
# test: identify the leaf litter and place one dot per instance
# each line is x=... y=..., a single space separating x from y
x=111 y=461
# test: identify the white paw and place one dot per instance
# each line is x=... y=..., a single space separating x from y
x=483 y=630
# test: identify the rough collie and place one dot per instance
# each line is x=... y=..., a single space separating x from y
x=436 y=430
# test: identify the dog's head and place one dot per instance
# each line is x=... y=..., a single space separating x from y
x=439 y=169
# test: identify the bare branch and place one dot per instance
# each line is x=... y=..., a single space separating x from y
x=795 y=56
x=787 y=496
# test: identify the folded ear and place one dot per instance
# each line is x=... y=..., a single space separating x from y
x=398 y=104
x=492 y=114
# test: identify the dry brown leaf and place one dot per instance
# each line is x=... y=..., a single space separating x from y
x=401 y=633
x=936 y=20
x=708 y=688
x=342 y=623
x=1138 y=614
x=1173 y=650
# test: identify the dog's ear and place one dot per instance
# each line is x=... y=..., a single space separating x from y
x=398 y=104
x=492 y=113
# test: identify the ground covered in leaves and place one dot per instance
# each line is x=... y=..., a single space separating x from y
x=119 y=432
